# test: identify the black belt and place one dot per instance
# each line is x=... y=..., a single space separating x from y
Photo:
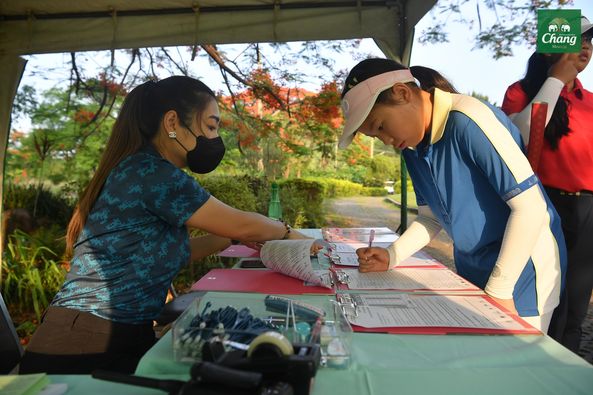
x=561 y=192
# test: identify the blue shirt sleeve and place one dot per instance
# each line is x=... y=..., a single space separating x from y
x=419 y=199
x=170 y=193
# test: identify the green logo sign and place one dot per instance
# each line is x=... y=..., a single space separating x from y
x=558 y=31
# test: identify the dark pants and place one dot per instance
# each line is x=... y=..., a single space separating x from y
x=73 y=342
x=576 y=213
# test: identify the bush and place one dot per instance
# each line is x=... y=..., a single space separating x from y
x=301 y=198
x=302 y=201
x=31 y=274
x=260 y=186
x=230 y=190
x=374 y=191
x=380 y=169
x=47 y=207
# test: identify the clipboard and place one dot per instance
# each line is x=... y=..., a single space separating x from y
x=512 y=323
x=405 y=279
x=256 y=281
x=359 y=235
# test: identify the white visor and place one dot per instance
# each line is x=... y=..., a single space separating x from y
x=585 y=25
x=358 y=101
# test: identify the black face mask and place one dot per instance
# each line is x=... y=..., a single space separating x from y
x=206 y=156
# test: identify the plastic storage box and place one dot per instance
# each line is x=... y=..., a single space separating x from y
x=237 y=319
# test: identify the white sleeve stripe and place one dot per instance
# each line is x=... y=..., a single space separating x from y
x=497 y=133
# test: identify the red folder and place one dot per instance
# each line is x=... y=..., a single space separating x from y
x=239 y=251
x=445 y=331
x=259 y=281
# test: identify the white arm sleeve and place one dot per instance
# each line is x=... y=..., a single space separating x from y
x=549 y=93
x=419 y=234
x=528 y=214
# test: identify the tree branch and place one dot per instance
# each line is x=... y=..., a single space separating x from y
x=215 y=55
x=181 y=68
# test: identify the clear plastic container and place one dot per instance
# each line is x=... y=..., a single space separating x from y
x=332 y=332
x=243 y=318
x=336 y=339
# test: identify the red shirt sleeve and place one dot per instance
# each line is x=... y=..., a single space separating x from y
x=515 y=99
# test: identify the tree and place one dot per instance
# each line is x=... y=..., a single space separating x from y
x=270 y=123
x=63 y=145
x=501 y=24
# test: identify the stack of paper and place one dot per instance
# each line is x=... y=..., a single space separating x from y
x=430 y=313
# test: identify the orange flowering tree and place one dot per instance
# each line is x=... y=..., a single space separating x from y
x=282 y=138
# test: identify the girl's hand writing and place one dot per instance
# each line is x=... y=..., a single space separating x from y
x=373 y=259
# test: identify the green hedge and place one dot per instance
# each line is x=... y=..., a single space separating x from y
x=230 y=190
x=301 y=198
x=48 y=207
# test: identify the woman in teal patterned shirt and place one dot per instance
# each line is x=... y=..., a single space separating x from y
x=129 y=233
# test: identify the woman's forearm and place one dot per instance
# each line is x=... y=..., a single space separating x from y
x=204 y=246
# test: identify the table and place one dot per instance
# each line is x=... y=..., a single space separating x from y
x=86 y=385
x=424 y=364
x=407 y=364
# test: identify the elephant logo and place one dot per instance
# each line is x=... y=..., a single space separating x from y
x=558 y=25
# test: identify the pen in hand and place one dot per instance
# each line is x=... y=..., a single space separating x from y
x=371 y=237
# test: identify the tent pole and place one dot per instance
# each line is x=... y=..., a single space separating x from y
x=11 y=71
x=405 y=56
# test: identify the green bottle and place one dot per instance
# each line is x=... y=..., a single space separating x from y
x=275 y=209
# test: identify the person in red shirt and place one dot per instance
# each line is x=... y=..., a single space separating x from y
x=565 y=168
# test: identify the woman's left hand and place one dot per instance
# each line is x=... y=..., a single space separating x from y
x=294 y=235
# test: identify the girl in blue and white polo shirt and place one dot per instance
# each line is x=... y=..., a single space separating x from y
x=471 y=178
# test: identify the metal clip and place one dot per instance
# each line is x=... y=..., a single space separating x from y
x=347 y=305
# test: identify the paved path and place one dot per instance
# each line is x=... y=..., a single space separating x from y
x=376 y=211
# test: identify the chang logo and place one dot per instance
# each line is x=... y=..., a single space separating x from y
x=558 y=31
x=559 y=25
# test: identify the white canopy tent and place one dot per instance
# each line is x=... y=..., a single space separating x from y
x=46 y=26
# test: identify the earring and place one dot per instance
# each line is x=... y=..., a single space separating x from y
x=172 y=134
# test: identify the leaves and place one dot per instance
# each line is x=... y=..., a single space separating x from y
x=501 y=24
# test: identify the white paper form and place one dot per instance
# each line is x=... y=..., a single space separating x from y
x=350 y=248
x=420 y=259
x=452 y=311
x=407 y=279
x=344 y=255
x=359 y=235
x=293 y=258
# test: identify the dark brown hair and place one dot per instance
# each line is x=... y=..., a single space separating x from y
x=137 y=124
x=427 y=77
